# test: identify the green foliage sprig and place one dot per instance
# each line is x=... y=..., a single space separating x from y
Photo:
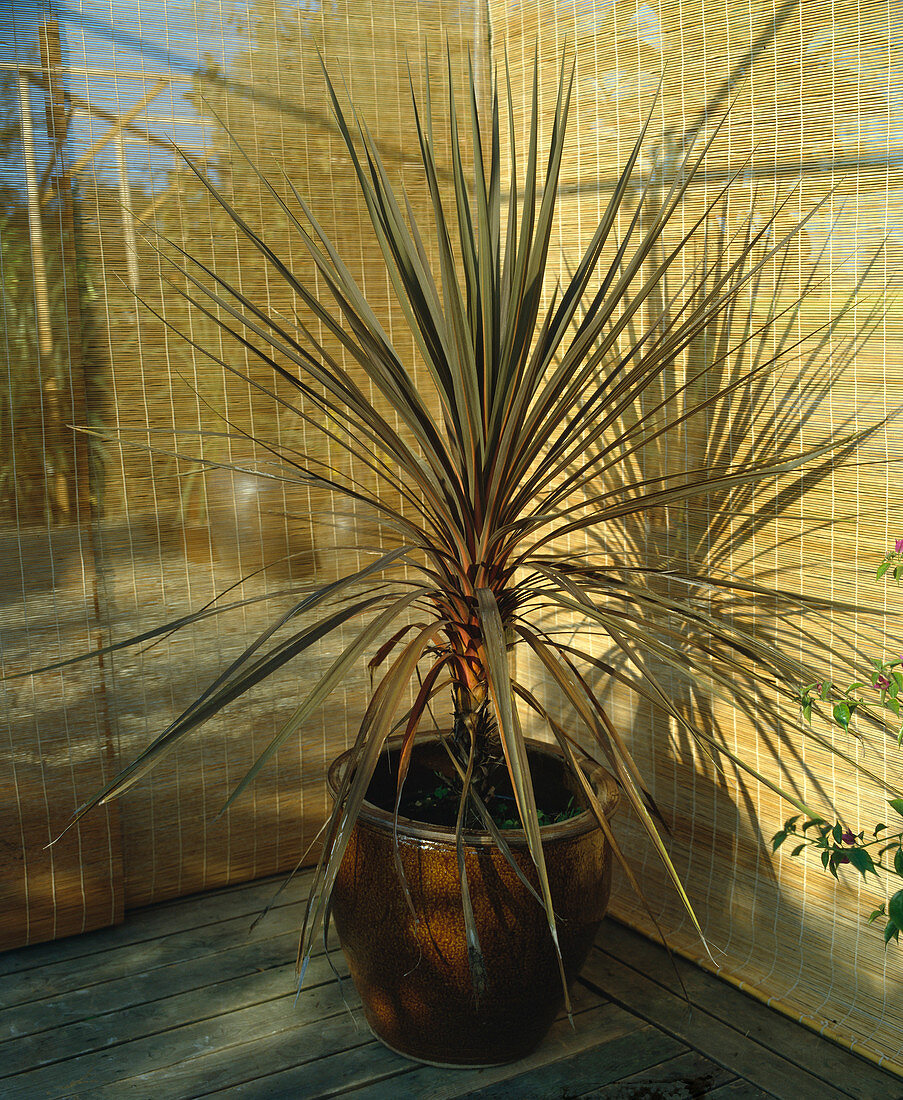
x=892 y=558
x=885 y=677
x=838 y=845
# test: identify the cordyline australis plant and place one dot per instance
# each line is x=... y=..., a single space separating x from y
x=527 y=422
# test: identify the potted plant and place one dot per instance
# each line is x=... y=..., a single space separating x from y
x=524 y=424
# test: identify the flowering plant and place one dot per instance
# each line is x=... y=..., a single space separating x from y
x=879 y=850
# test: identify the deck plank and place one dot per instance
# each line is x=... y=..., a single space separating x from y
x=328 y=1057
x=212 y=999
x=179 y=915
x=717 y=1038
x=161 y=1046
x=742 y=1090
x=685 y=1076
x=288 y=1063
x=611 y=1058
x=774 y=1032
x=604 y=1023
x=142 y=960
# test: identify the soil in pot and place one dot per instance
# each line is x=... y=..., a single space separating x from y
x=431 y=793
x=411 y=968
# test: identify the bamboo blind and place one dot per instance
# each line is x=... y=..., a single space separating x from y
x=54 y=741
x=134 y=536
x=815 y=89
x=156 y=536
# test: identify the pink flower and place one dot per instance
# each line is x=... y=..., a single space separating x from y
x=882 y=682
x=898 y=545
x=848 y=837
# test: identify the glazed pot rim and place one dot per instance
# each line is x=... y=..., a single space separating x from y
x=602 y=781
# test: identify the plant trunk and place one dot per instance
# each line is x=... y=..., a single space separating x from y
x=475 y=731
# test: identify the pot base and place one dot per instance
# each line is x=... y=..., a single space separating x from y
x=438 y=1065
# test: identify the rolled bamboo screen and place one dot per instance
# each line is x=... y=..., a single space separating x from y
x=815 y=108
x=142 y=536
x=100 y=543
x=55 y=739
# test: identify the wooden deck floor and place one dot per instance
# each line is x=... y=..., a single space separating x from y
x=181 y=1001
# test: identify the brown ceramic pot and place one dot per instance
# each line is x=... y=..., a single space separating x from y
x=412 y=972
